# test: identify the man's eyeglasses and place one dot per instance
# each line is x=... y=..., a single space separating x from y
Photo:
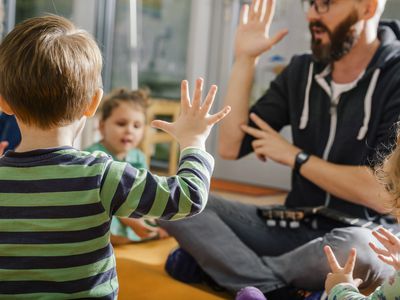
x=321 y=6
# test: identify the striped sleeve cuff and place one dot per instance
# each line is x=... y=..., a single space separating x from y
x=199 y=155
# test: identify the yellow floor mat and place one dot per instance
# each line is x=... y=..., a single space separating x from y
x=141 y=274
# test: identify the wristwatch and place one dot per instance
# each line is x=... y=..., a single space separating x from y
x=301 y=158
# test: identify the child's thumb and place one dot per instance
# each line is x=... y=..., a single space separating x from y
x=163 y=125
x=358 y=282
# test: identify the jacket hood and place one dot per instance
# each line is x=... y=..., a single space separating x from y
x=389 y=50
x=387 y=53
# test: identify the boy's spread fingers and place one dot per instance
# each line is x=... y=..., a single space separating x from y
x=208 y=102
x=334 y=265
x=185 y=101
x=197 y=93
x=219 y=116
x=163 y=125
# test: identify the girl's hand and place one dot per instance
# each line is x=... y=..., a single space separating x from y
x=143 y=230
x=194 y=123
x=339 y=274
x=3 y=146
x=391 y=252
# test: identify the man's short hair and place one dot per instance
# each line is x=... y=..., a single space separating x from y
x=50 y=70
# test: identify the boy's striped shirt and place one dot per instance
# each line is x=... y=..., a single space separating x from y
x=55 y=212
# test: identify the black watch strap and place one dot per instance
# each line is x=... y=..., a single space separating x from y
x=301 y=158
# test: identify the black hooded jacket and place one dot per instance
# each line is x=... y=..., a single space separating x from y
x=349 y=130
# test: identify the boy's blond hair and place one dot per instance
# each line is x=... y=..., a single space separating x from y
x=49 y=71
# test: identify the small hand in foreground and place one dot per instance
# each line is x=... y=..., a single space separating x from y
x=339 y=274
x=3 y=146
x=391 y=252
x=252 y=35
x=143 y=230
x=194 y=123
x=269 y=144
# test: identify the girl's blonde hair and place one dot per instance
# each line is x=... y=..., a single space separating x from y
x=388 y=172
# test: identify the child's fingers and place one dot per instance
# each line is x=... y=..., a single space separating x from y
x=378 y=250
x=208 y=102
x=358 y=282
x=3 y=146
x=185 y=100
x=197 y=93
x=387 y=260
x=219 y=115
x=390 y=236
x=383 y=239
x=163 y=125
x=335 y=267
x=351 y=261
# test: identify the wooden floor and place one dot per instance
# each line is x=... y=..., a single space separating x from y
x=141 y=266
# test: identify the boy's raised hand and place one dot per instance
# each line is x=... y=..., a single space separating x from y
x=339 y=274
x=391 y=252
x=194 y=123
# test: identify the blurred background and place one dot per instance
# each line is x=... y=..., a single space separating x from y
x=157 y=43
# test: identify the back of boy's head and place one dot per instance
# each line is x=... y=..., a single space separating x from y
x=137 y=98
x=50 y=70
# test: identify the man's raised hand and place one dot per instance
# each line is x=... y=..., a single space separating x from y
x=252 y=35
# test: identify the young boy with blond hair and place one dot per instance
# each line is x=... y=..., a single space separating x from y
x=56 y=202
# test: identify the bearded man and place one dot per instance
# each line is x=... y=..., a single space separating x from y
x=342 y=102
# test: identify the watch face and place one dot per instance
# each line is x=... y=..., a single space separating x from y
x=302 y=156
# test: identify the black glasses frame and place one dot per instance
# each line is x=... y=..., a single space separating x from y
x=321 y=6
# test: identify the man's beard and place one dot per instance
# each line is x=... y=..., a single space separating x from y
x=342 y=40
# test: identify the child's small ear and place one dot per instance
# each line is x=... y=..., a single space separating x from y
x=5 y=107
x=94 y=104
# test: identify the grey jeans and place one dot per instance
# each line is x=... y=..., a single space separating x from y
x=237 y=249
